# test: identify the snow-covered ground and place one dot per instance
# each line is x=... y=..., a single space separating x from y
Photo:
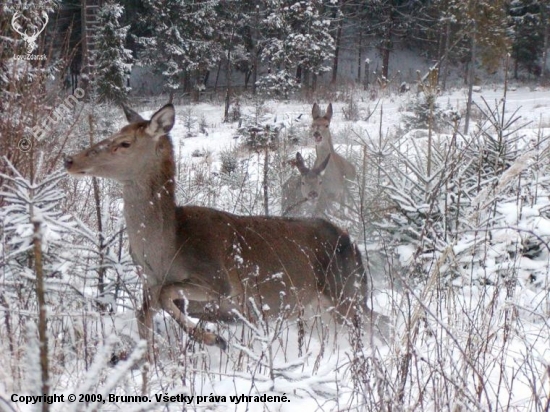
x=470 y=333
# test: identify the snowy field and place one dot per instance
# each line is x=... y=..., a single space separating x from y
x=458 y=258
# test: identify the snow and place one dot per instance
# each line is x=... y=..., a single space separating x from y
x=481 y=331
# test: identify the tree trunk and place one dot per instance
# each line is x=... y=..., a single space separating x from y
x=431 y=98
x=545 y=42
x=445 y=66
x=187 y=82
x=254 y=73
x=42 y=309
x=387 y=46
x=385 y=61
x=471 y=77
x=367 y=73
x=359 y=52
x=40 y=293
x=84 y=47
x=101 y=240
x=299 y=74
x=247 y=76
x=195 y=93
x=228 y=77
x=305 y=82
x=266 y=180
x=217 y=77
x=336 y=52
x=255 y=51
x=228 y=83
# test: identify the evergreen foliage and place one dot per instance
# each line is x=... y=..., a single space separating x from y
x=470 y=176
x=298 y=45
x=284 y=45
x=527 y=33
x=24 y=202
x=420 y=114
x=113 y=60
x=182 y=45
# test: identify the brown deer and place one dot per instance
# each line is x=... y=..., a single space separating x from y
x=303 y=195
x=339 y=171
x=207 y=263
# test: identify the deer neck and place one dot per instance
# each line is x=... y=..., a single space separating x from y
x=323 y=149
x=150 y=213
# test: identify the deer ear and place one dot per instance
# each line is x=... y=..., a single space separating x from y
x=315 y=111
x=320 y=170
x=302 y=168
x=162 y=121
x=328 y=113
x=131 y=115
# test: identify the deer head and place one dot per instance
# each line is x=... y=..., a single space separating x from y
x=320 y=125
x=30 y=40
x=125 y=156
x=311 y=179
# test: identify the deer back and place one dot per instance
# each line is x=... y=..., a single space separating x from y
x=277 y=261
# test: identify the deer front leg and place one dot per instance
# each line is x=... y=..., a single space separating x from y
x=171 y=294
x=145 y=322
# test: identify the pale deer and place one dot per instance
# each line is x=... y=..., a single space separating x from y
x=206 y=263
x=303 y=195
x=339 y=171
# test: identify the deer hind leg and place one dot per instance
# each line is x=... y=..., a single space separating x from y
x=211 y=311
x=345 y=282
x=352 y=309
x=353 y=306
x=170 y=300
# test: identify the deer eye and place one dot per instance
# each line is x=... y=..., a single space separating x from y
x=125 y=144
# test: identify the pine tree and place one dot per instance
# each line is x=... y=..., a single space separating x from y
x=113 y=60
x=527 y=33
x=182 y=45
x=492 y=27
x=299 y=45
